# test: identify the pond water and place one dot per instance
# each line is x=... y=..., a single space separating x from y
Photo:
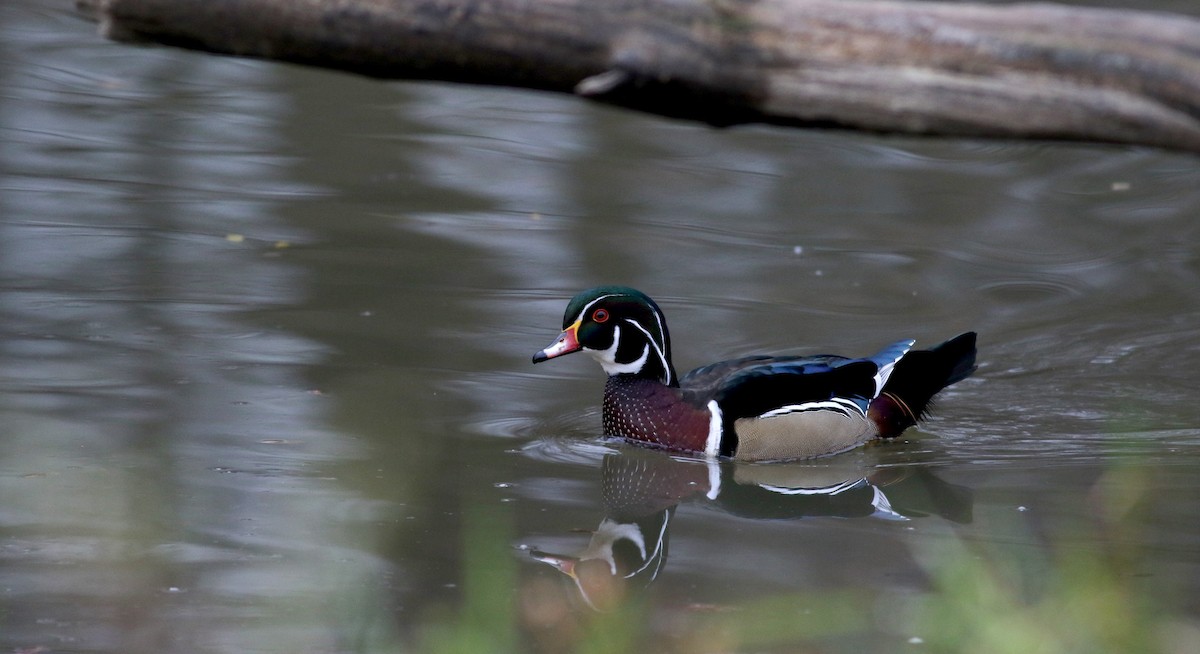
x=265 y=380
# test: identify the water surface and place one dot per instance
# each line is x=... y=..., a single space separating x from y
x=265 y=382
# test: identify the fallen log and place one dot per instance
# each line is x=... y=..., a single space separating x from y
x=1023 y=71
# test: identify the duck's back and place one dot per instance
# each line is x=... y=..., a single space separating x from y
x=751 y=386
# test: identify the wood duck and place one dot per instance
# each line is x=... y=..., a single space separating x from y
x=641 y=490
x=751 y=409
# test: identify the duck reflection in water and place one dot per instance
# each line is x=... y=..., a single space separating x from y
x=641 y=490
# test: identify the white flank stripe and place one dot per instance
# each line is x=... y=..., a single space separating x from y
x=712 y=445
x=835 y=489
x=843 y=406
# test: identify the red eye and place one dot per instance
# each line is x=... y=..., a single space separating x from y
x=599 y=315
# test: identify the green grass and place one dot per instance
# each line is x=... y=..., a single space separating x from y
x=1092 y=594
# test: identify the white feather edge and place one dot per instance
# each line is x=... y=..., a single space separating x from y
x=885 y=370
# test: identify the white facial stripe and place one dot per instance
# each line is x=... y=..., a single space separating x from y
x=608 y=358
x=613 y=368
x=712 y=445
x=609 y=532
x=587 y=306
x=658 y=347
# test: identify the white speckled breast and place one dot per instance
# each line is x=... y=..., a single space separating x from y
x=648 y=411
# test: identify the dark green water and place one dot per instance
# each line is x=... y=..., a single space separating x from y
x=265 y=381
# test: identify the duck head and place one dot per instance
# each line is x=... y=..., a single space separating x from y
x=621 y=328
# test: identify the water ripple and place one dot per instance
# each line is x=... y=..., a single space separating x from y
x=1021 y=292
x=566 y=449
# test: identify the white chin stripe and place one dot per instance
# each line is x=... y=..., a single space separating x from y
x=712 y=445
x=608 y=358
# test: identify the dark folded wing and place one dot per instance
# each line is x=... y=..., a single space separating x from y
x=715 y=375
x=755 y=385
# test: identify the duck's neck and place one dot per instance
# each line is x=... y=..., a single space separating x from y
x=638 y=352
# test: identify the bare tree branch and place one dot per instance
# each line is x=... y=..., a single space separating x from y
x=1030 y=70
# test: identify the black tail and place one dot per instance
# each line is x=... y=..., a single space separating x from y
x=917 y=378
